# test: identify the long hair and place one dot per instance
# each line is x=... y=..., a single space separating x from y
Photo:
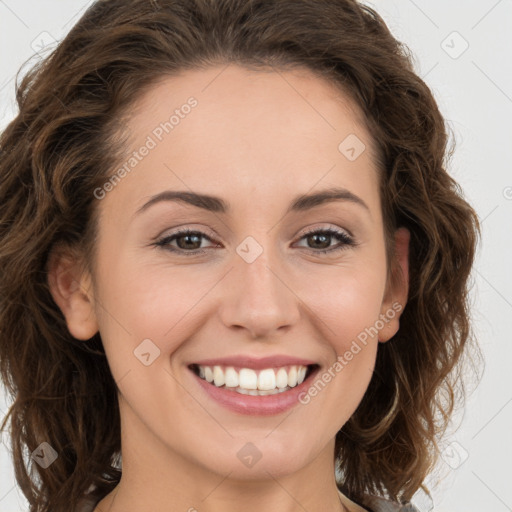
x=67 y=138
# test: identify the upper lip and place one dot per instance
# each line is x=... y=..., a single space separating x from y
x=255 y=363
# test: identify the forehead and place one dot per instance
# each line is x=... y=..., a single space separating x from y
x=248 y=130
x=248 y=94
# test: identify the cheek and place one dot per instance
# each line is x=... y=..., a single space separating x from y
x=345 y=307
x=345 y=313
x=346 y=299
x=141 y=300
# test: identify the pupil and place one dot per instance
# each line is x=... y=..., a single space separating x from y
x=324 y=237
x=188 y=237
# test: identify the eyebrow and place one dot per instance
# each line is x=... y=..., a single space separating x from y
x=216 y=204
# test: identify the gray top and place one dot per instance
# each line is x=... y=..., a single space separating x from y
x=376 y=504
x=379 y=504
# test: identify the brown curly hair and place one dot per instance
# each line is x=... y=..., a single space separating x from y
x=66 y=139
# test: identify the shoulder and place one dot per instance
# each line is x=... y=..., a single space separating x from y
x=373 y=503
x=379 y=504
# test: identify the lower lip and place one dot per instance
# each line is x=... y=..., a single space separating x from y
x=256 y=405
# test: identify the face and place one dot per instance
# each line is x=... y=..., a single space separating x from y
x=263 y=272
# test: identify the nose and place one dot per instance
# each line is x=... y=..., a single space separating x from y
x=257 y=298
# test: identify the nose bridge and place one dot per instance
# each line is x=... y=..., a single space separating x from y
x=258 y=298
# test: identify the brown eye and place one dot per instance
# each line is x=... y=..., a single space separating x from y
x=320 y=240
x=188 y=242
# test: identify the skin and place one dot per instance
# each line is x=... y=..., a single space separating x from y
x=257 y=139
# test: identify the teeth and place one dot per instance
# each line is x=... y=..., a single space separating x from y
x=257 y=392
x=208 y=374
x=231 y=377
x=247 y=381
x=267 y=380
x=301 y=374
x=218 y=376
x=292 y=377
x=281 y=378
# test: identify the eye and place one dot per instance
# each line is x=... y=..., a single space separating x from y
x=188 y=242
x=322 y=238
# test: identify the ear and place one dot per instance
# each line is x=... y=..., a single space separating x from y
x=397 y=289
x=71 y=289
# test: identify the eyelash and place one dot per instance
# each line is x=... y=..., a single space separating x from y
x=345 y=239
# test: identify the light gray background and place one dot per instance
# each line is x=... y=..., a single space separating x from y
x=474 y=92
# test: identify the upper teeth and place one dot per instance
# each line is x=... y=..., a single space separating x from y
x=247 y=378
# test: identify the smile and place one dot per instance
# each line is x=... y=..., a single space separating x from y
x=250 y=385
x=247 y=381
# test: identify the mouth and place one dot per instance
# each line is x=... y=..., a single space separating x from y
x=255 y=382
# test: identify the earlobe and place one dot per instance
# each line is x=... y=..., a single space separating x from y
x=398 y=289
x=71 y=290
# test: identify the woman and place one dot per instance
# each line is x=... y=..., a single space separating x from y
x=232 y=261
